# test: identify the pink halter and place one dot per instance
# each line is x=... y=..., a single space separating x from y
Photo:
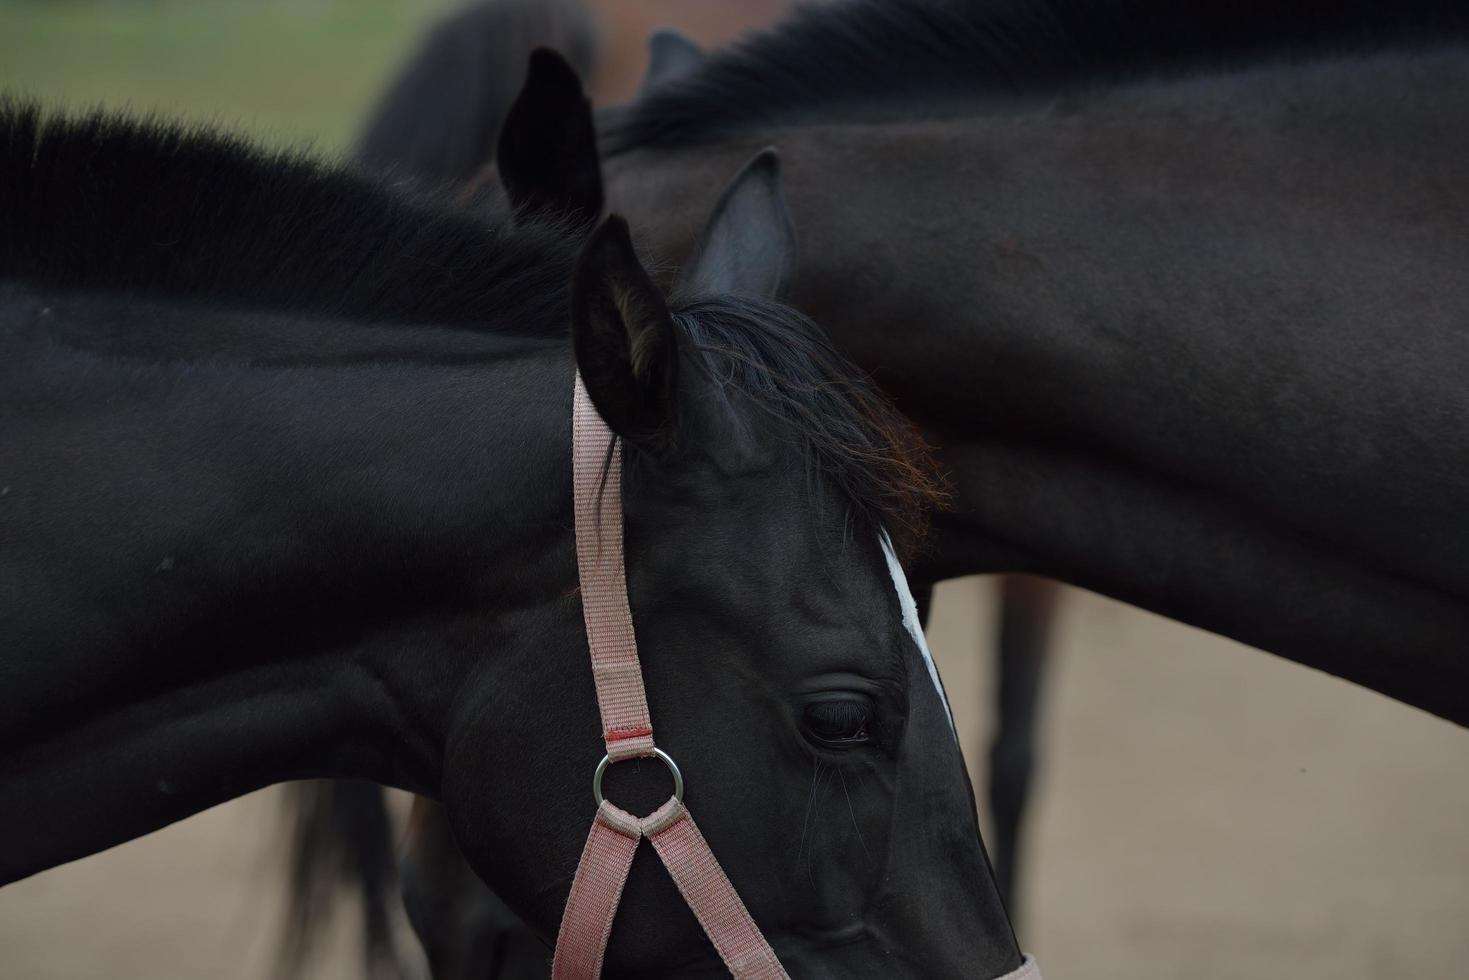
x=628 y=732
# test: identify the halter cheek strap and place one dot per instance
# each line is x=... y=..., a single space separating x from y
x=627 y=731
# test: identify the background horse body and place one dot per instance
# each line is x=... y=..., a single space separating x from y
x=1175 y=287
x=281 y=454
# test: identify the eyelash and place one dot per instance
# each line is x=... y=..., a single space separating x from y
x=838 y=722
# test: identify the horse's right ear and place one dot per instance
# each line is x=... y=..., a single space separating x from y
x=623 y=336
x=547 y=153
x=670 y=55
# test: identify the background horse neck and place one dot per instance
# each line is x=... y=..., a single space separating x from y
x=1137 y=279
x=223 y=575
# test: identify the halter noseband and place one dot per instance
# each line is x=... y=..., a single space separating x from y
x=628 y=732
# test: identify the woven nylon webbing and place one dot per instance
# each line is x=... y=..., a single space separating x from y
x=586 y=924
x=703 y=884
x=596 y=473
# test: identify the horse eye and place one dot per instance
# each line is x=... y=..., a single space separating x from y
x=838 y=722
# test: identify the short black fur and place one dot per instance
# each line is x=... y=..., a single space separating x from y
x=872 y=59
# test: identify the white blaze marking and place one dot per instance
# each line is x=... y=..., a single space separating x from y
x=915 y=628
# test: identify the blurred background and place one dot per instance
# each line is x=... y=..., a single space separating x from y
x=1204 y=810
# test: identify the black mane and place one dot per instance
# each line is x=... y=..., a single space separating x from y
x=108 y=204
x=848 y=432
x=103 y=202
x=861 y=60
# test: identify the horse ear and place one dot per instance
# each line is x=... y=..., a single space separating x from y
x=623 y=336
x=749 y=246
x=671 y=55
x=547 y=154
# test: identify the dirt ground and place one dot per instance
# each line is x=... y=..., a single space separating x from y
x=1208 y=812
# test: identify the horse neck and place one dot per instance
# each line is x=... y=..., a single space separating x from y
x=220 y=576
x=1103 y=306
x=1027 y=241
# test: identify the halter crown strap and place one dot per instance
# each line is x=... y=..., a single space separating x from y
x=586 y=924
x=596 y=475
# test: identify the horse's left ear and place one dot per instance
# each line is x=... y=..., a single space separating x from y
x=547 y=153
x=623 y=336
x=749 y=246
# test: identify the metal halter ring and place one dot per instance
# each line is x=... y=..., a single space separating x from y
x=664 y=757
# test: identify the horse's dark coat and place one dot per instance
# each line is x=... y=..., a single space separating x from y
x=1221 y=383
x=285 y=493
x=1076 y=238
x=1248 y=159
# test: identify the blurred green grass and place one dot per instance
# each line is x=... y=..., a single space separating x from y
x=291 y=72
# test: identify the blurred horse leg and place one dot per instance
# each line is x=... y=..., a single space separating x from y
x=340 y=834
x=1027 y=611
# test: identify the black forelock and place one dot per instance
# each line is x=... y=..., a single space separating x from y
x=868 y=60
x=846 y=429
x=109 y=203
